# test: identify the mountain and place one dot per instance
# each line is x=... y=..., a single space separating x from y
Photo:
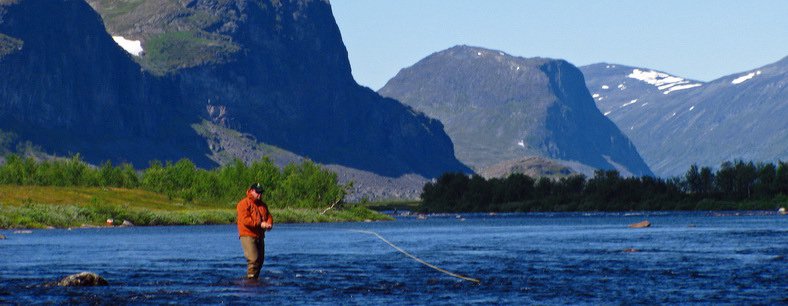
x=141 y=80
x=66 y=86
x=498 y=107
x=615 y=87
x=532 y=166
x=675 y=122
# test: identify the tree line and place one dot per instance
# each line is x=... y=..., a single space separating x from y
x=302 y=185
x=735 y=185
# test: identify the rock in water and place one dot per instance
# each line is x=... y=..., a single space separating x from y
x=2 y=237
x=127 y=223
x=83 y=279
x=641 y=224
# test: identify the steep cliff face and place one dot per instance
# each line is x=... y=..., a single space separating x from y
x=676 y=122
x=69 y=88
x=276 y=70
x=498 y=107
x=291 y=87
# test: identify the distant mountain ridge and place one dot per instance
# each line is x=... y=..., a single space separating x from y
x=614 y=87
x=740 y=116
x=276 y=71
x=498 y=107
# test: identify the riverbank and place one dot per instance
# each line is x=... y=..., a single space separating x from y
x=63 y=207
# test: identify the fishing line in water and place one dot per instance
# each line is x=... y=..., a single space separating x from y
x=470 y=279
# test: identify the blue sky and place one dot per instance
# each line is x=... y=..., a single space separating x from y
x=699 y=39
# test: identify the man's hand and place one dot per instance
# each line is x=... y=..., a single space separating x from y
x=267 y=226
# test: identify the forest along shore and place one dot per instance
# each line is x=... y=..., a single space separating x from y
x=72 y=193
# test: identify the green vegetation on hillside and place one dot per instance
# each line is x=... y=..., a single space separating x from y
x=735 y=186
x=114 y=8
x=69 y=192
x=173 y=50
x=175 y=34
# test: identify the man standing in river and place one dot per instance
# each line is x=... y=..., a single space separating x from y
x=254 y=220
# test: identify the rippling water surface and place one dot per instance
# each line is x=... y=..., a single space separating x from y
x=519 y=258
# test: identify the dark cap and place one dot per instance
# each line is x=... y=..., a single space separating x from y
x=257 y=187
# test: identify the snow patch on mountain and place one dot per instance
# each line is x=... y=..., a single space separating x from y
x=745 y=77
x=680 y=87
x=662 y=81
x=133 y=47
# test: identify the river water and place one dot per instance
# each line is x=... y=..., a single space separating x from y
x=562 y=258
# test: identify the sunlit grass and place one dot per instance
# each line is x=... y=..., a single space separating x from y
x=42 y=206
x=137 y=198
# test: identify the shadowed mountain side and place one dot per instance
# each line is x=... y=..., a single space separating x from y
x=290 y=86
x=69 y=88
x=286 y=82
x=498 y=107
x=227 y=145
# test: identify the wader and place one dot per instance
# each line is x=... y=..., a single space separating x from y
x=254 y=251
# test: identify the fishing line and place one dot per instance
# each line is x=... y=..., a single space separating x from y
x=418 y=259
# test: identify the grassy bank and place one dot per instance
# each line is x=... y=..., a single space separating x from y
x=44 y=206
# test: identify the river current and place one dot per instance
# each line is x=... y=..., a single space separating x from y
x=543 y=258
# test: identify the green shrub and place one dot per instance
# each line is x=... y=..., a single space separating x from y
x=303 y=185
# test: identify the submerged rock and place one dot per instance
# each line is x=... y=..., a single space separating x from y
x=640 y=224
x=83 y=279
x=2 y=237
x=631 y=250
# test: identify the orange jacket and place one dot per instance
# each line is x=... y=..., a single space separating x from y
x=252 y=212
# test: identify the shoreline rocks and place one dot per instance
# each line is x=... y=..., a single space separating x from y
x=82 y=279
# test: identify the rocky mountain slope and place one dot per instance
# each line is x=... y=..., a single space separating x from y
x=68 y=88
x=498 y=107
x=675 y=123
x=135 y=86
x=532 y=166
